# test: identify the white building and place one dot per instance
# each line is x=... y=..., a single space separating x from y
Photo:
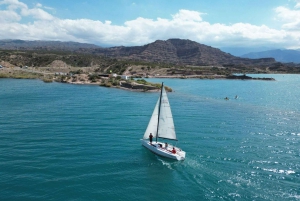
x=124 y=77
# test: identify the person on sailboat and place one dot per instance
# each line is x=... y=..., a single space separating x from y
x=150 y=138
x=173 y=151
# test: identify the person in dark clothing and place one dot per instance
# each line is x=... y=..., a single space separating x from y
x=150 y=138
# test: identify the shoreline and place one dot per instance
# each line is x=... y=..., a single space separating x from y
x=111 y=81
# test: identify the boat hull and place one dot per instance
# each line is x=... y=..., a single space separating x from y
x=164 y=152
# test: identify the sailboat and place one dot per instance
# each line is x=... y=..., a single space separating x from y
x=161 y=125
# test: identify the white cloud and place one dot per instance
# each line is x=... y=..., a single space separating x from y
x=7 y=16
x=185 y=24
x=297 y=4
x=187 y=15
x=14 y=4
x=37 y=13
x=290 y=18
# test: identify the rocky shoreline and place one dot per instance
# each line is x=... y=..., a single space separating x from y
x=109 y=80
x=245 y=77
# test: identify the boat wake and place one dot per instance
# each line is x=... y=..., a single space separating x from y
x=165 y=163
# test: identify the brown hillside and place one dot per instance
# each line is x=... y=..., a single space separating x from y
x=182 y=52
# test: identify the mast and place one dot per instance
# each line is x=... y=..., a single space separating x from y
x=162 y=85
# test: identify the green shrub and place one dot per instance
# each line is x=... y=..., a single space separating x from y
x=142 y=81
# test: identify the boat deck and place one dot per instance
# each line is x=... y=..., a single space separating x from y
x=160 y=149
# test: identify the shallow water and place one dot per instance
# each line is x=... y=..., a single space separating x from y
x=80 y=142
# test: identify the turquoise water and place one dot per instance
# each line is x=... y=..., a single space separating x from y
x=80 y=142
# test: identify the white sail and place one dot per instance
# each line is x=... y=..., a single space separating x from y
x=152 y=126
x=166 y=127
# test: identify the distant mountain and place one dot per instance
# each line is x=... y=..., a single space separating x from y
x=43 y=45
x=240 y=51
x=172 y=51
x=285 y=56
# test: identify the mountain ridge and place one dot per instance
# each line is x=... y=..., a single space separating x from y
x=180 y=52
x=281 y=55
x=172 y=51
x=10 y=44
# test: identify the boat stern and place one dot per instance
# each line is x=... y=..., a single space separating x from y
x=181 y=155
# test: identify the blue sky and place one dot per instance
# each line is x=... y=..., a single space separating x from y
x=119 y=11
x=218 y=23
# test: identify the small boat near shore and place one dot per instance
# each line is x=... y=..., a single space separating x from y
x=161 y=125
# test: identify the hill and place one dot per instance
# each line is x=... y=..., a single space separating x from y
x=279 y=55
x=43 y=45
x=181 y=52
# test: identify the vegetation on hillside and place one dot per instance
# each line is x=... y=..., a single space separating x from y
x=21 y=75
x=108 y=65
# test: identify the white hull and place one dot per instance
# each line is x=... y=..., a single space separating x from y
x=162 y=151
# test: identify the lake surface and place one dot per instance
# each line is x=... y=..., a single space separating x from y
x=82 y=142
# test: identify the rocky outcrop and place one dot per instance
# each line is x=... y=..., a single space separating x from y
x=136 y=86
x=245 y=77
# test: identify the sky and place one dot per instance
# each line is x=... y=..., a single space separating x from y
x=217 y=23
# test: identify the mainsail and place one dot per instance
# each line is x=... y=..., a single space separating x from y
x=166 y=127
